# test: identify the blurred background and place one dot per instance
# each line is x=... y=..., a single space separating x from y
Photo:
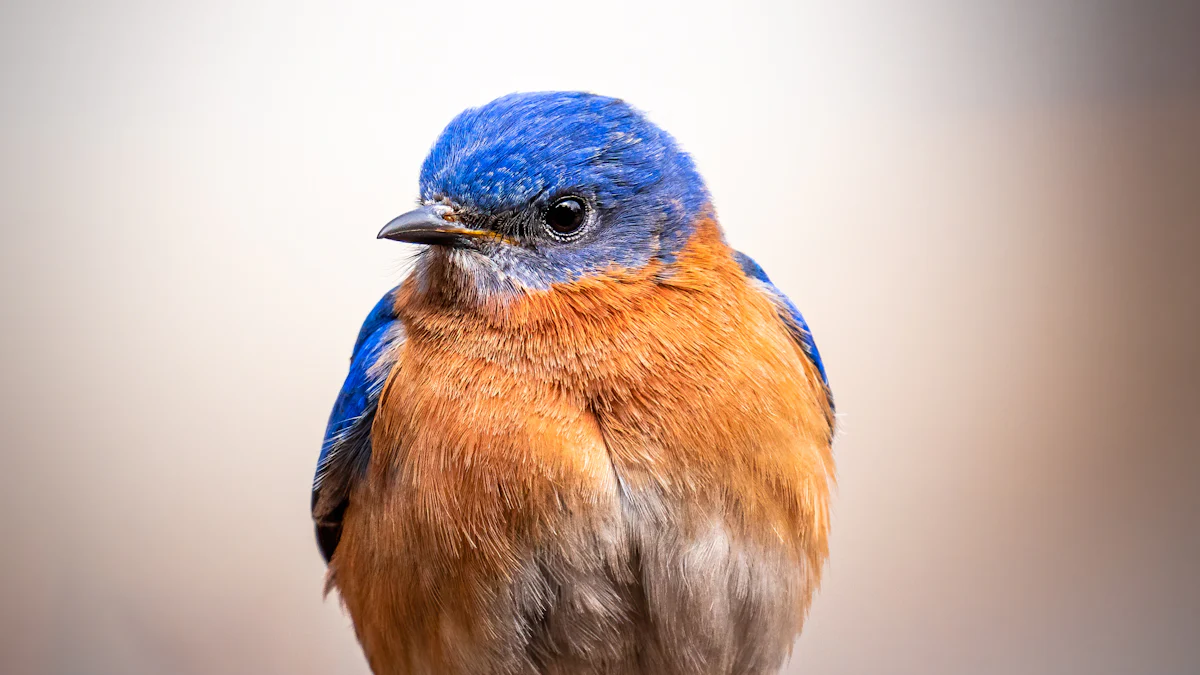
x=989 y=213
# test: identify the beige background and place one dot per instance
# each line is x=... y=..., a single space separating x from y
x=990 y=216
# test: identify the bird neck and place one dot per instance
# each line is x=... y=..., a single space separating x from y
x=445 y=293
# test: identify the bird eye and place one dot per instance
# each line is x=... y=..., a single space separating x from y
x=566 y=216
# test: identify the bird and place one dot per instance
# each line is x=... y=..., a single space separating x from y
x=584 y=434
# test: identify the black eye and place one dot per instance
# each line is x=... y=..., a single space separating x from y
x=566 y=215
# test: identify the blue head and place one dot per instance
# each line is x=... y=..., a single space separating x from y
x=536 y=189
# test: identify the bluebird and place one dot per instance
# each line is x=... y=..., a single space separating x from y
x=584 y=435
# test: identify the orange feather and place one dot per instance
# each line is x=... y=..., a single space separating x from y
x=508 y=427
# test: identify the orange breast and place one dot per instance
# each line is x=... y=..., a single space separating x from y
x=507 y=427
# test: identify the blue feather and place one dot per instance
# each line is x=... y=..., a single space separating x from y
x=347 y=446
x=357 y=389
x=522 y=151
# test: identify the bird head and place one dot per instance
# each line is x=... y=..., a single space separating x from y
x=538 y=189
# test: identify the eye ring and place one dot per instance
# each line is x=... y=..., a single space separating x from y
x=566 y=218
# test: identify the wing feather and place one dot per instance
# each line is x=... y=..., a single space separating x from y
x=346 y=450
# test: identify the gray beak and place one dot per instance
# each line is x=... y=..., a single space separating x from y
x=428 y=225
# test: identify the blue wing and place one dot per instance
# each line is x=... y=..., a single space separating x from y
x=347 y=447
x=790 y=315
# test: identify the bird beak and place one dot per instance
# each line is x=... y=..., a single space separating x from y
x=428 y=225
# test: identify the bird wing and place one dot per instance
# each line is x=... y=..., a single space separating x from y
x=790 y=315
x=347 y=447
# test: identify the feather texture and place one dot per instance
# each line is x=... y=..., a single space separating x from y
x=627 y=473
x=347 y=446
x=596 y=442
x=791 y=316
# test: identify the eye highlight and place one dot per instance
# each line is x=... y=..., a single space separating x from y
x=566 y=217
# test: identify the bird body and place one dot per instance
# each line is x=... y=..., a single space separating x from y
x=622 y=469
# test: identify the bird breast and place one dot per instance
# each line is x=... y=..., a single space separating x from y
x=628 y=473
